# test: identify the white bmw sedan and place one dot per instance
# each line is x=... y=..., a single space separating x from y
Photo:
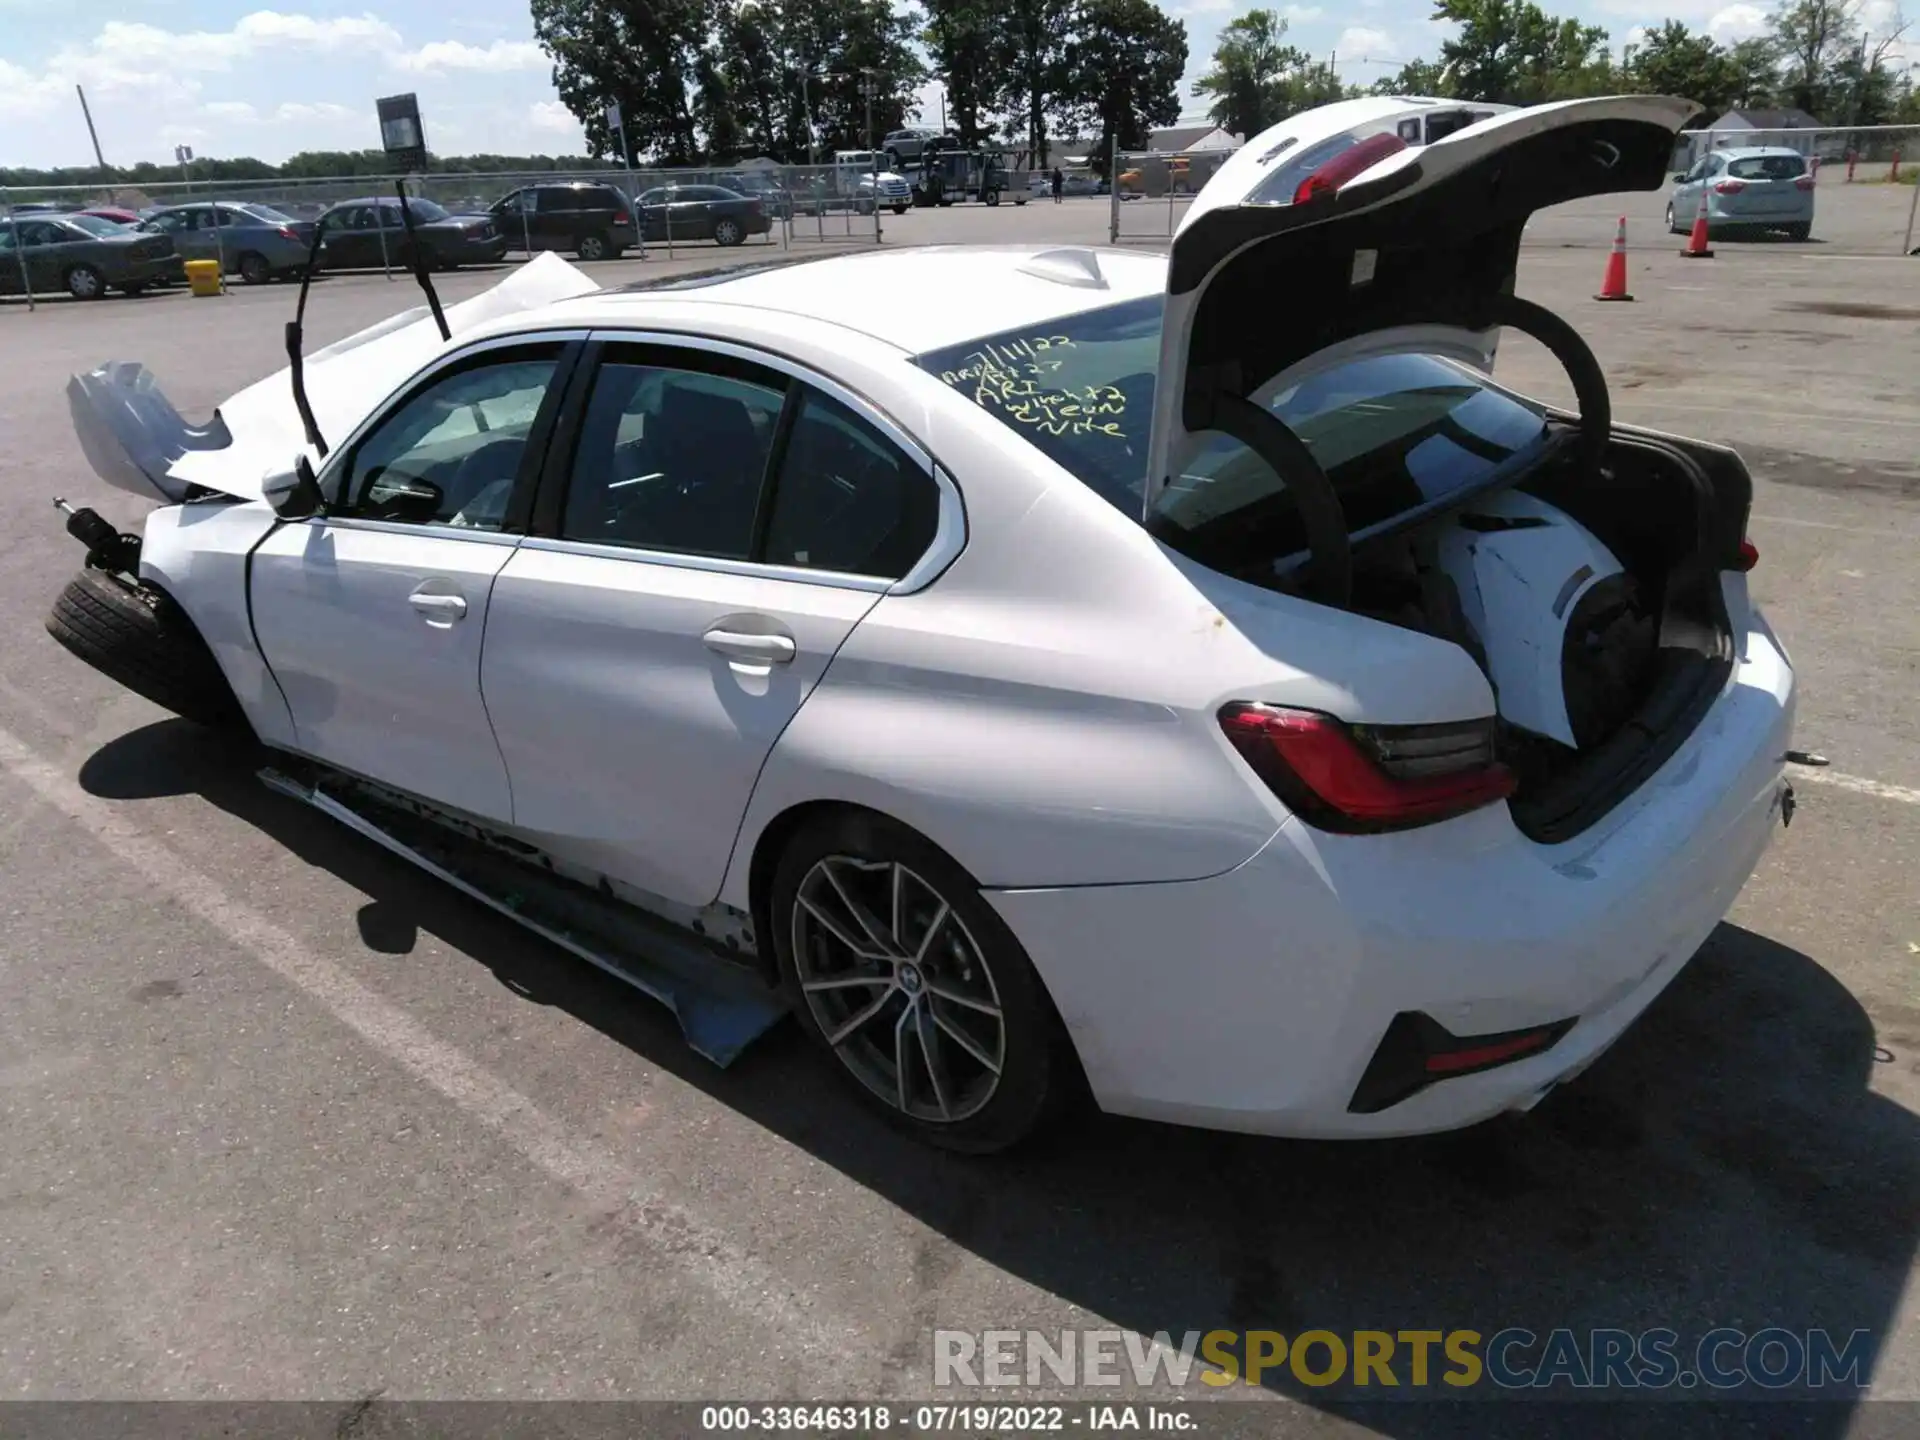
x=1192 y=678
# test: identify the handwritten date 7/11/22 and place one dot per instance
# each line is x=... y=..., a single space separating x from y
x=1016 y=378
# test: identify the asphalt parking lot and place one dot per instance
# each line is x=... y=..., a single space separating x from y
x=282 y=1118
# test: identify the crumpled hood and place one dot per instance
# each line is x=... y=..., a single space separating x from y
x=136 y=441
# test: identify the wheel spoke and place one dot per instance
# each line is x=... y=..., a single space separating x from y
x=933 y=929
x=846 y=982
x=957 y=998
x=900 y=1059
x=856 y=909
x=965 y=1041
x=859 y=1018
x=921 y=1029
x=839 y=932
x=899 y=899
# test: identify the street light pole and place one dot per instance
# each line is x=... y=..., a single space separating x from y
x=873 y=156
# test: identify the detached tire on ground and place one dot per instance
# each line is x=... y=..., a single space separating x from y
x=141 y=638
x=894 y=962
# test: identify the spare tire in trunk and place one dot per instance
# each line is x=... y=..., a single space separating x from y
x=138 y=636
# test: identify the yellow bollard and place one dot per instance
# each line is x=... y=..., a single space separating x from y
x=203 y=277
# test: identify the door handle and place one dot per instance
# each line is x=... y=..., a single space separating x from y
x=438 y=608
x=759 y=649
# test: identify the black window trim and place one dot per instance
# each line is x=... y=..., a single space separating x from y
x=709 y=355
x=339 y=464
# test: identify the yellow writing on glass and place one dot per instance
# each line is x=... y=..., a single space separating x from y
x=1015 y=378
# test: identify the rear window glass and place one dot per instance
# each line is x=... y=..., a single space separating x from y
x=1393 y=432
x=1767 y=167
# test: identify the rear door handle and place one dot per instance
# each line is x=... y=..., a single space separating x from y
x=757 y=649
x=438 y=608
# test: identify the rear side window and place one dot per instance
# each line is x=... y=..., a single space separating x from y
x=1767 y=167
x=847 y=499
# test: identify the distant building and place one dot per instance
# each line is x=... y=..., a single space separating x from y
x=1763 y=120
x=1738 y=128
x=1192 y=140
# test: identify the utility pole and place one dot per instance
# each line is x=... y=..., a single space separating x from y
x=92 y=134
x=873 y=156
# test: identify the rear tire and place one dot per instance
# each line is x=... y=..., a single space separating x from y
x=86 y=283
x=138 y=287
x=593 y=247
x=944 y=940
x=141 y=638
x=728 y=232
x=1799 y=232
x=993 y=197
x=254 y=269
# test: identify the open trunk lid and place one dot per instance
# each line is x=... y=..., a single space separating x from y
x=1330 y=227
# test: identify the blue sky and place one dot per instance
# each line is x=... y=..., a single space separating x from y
x=230 y=79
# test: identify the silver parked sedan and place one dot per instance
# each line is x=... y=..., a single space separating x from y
x=1754 y=189
x=255 y=242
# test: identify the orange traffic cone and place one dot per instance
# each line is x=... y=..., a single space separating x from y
x=1613 y=285
x=1697 y=246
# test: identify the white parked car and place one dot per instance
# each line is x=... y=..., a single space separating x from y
x=1192 y=675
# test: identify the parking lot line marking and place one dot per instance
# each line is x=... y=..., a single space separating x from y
x=1879 y=789
x=591 y=1172
x=1828 y=525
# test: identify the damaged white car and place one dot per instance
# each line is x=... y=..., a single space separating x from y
x=1188 y=676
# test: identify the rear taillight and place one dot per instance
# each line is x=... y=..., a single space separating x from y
x=1352 y=161
x=1803 y=182
x=1729 y=187
x=1749 y=556
x=1364 y=779
x=620 y=217
x=286 y=233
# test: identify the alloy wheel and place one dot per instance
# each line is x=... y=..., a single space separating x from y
x=727 y=232
x=899 y=987
x=592 y=247
x=254 y=269
x=84 y=283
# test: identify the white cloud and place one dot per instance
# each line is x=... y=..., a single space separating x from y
x=298 y=113
x=551 y=115
x=1737 y=22
x=501 y=55
x=1365 y=42
x=1297 y=13
x=238 y=110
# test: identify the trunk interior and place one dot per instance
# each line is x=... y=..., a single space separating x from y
x=1642 y=654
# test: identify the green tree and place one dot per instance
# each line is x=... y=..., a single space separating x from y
x=1754 y=68
x=961 y=40
x=1416 y=77
x=1815 y=39
x=1252 y=65
x=1030 y=57
x=1674 y=61
x=640 y=54
x=1123 y=72
x=1513 y=52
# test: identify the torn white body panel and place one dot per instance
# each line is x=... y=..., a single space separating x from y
x=1518 y=588
x=136 y=441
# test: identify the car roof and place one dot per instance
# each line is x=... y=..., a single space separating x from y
x=1754 y=152
x=938 y=295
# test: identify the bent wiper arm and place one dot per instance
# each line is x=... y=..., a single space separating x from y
x=420 y=262
x=296 y=365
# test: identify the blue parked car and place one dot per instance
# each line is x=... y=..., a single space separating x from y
x=1754 y=189
x=255 y=242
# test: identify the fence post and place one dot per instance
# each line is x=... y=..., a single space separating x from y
x=1906 y=245
x=20 y=253
x=1893 y=173
x=1113 y=190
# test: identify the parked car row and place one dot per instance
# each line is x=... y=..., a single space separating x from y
x=82 y=255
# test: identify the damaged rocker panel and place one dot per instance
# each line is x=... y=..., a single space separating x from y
x=701 y=966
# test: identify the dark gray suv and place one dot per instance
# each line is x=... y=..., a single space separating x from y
x=594 y=221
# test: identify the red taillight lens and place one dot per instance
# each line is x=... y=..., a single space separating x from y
x=620 y=217
x=1749 y=556
x=1354 y=160
x=1497 y=1052
x=1729 y=187
x=1363 y=780
x=1804 y=182
x=287 y=233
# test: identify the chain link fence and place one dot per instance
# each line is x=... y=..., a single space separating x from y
x=1151 y=191
x=805 y=203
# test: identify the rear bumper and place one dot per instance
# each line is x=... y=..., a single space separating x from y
x=1256 y=1000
